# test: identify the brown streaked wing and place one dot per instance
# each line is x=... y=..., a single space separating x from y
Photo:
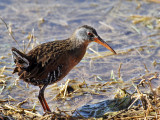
x=48 y=57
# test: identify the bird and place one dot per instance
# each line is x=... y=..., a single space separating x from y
x=50 y=62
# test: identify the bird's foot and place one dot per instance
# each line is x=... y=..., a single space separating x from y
x=47 y=113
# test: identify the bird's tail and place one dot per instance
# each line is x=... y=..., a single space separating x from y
x=21 y=61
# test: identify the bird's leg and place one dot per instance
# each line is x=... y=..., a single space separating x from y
x=42 y=99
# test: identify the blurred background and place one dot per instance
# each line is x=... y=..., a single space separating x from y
x=131 y=28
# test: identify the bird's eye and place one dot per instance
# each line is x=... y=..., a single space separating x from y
x=90 y=34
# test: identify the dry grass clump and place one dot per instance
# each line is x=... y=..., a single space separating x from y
x=149 y=107
x=150 y=101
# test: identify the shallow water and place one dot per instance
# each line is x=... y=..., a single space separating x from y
x=136 y=45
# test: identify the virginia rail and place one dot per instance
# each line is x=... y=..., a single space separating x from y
x=50 y=62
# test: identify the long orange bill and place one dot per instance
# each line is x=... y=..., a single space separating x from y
x=102 y=42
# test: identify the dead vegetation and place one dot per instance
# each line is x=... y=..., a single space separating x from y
x=148 y=108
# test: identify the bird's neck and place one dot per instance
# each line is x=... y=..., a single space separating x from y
x=76 y=42
x=78 y=49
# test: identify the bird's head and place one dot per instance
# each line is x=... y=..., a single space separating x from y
x=87 y=34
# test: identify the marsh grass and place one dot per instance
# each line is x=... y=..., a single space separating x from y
x=149 y=107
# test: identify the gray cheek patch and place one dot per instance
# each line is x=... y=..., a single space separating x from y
x=81 y=34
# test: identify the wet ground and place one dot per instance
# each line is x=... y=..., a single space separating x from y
x=131 y=27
